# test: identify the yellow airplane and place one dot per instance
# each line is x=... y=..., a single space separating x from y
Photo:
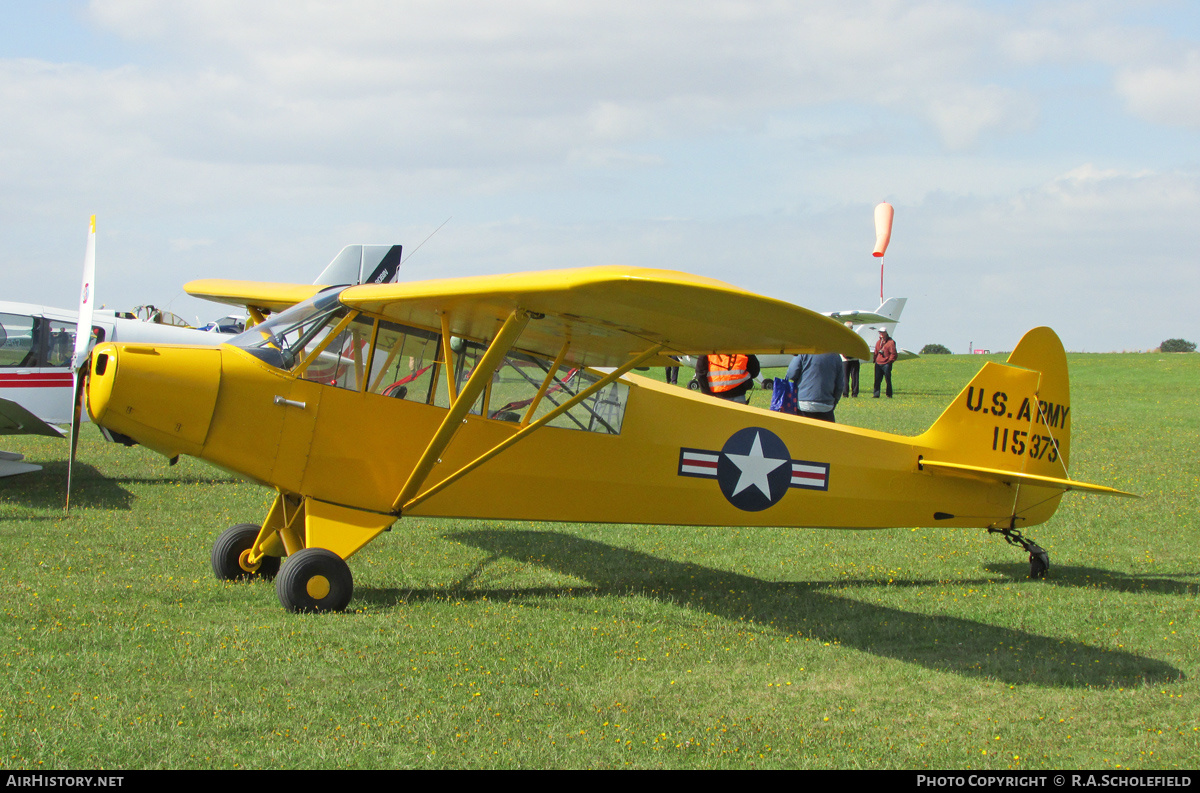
x=491 y=397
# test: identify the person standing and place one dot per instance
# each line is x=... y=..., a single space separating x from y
x=885 y=356
x=727 y=376
x=819 y=381
x=850 y=370
x=672 y=372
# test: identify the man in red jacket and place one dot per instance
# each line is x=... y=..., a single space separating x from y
x=885 y=356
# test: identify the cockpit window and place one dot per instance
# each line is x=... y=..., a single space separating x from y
x=284 y=339
x=17 y=340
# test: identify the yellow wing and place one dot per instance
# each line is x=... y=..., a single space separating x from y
x=609 y=314
x=265 y=296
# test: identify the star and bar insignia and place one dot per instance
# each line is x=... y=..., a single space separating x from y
x=754 y=469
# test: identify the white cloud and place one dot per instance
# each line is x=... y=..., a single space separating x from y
x=1164 y=94
x=560 y=75
x=718 y=137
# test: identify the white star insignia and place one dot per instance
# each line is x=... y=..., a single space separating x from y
x=754 y=468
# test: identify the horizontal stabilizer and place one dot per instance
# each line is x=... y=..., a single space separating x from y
x=1018 y=478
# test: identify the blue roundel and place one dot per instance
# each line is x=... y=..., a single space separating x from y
x=755 y=469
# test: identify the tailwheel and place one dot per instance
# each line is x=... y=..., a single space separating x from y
x=1039 y=560
x=231 y=551
x=315 y=579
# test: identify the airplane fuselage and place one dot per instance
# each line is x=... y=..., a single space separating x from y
x=675 y=457
x=35 y=356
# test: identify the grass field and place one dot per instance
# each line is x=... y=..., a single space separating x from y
x=502 y=644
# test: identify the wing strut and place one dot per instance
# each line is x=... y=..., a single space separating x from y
x=562 y=354
x=462 y=401
x=402 y=506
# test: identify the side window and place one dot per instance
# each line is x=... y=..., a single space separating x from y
x=18 y=336
x=601 y=412
x=61 y=344
x=404 y=364
x=343 y=361
x=466 y=358
x=519 y=378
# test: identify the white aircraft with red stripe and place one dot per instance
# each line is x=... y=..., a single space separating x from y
x=37 y=344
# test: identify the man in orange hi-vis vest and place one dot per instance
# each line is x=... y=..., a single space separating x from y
x=727 y=376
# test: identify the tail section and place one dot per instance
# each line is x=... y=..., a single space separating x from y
x=362 y=264
x=1012 y=423
x=892 y=308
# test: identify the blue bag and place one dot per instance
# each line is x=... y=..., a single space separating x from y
x=783 y=395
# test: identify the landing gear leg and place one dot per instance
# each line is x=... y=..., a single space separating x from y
x=1039 y=560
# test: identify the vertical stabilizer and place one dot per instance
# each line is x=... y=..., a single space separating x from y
x=1014 y=416
x=361 y=264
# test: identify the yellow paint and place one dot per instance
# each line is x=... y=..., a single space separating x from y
x=317 y=587
x=256 y=294
x=340 y=458
x=342 y=530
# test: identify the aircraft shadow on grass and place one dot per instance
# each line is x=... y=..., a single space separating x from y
x=47 y=489
x=943 y=643
x=1099 y=578
x=90 y=488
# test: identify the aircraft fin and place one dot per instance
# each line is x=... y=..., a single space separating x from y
x=1012 y=423
x=362 y=264
x=892 y=308
x=389 y=265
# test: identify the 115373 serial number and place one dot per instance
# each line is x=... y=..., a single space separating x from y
x=1020 y=442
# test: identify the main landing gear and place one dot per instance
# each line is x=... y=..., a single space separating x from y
x=231 y=552
x=315 y=579
x=1039 y=560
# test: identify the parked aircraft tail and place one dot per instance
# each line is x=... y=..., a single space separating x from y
x=892 y=308
x=362 y=264
x=1012 y=423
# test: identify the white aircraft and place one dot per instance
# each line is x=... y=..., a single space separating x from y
x=37 y=345
x=866 y=324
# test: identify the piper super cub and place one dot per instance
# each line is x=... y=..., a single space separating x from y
x=493 y=397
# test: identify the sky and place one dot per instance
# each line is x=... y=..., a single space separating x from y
x=1042 y=157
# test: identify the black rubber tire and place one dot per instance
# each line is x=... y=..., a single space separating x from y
x=693 y=385
x=1039 y=563
x=230 y=545
x=303 y=567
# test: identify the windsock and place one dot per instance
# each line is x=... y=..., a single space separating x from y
x=883 y=227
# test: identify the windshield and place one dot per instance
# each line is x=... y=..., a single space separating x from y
x=282 y=340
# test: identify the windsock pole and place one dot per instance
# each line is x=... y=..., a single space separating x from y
x=883 y=235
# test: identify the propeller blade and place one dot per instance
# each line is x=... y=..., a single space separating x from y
x=883 y=227
x=83 y=341
x=76 y=416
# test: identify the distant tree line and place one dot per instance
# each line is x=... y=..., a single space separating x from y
x=1177 y=345
x=935 y=349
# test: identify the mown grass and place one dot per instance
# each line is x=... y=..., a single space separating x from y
x=502 y=644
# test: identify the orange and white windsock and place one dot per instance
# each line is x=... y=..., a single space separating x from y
x=883 y=227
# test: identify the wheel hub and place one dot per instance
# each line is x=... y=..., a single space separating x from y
x=245 y=563
x=317 y=587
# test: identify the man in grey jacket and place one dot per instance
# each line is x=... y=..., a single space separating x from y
x=819 y=381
